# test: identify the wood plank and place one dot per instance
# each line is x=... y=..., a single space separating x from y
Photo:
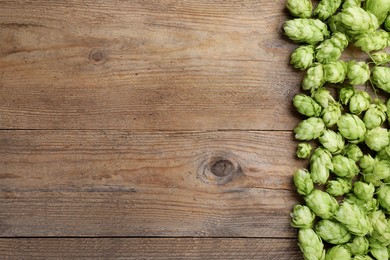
x=146 y=65
x=149 y=248
x=104 y=183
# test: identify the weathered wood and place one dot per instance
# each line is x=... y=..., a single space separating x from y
x=149 y=248
x=167 y=65
x=72 y=183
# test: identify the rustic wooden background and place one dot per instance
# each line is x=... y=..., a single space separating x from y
x=146 y=130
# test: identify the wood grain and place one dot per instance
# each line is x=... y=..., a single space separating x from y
x=149 y=248
x=70 y=183
x=145 y=65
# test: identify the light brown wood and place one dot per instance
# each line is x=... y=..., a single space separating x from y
x=149 y=248
x=132 y=184
x=166 y=65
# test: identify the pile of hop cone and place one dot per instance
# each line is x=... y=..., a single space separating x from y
x=346 y=186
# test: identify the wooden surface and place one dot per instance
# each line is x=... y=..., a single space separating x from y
x=156 y=129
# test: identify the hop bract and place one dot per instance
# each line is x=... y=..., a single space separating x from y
x=300 y=8
x=309 y=31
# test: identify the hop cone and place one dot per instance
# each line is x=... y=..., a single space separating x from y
x=381 y=78
x=302 y=217
x=302 y=57
x=354 y=219
x=380 y=253
x=322 y=204
x=380 y=58
x=339 y=252
x=366 y=206
x=373 y=41
x=326 y=8
x=332 y=141
x=353 y=21
x=314 y=78
x=375 y=115
x=304 y=30
x=358 y=72
x=306 y=105
x=351 y=3
x=380 y=8
x=332 y=232
x=358 y=246
x=331 y=114
x=335 y=72
x=381 y=227
x=383 y=197
x=310 y=129
x=351 y=127
x=303 y=150
x=359 y=102
x=345 y=94
x=330 y=49
x=353 y=151
x=362 y=257
x=339 y=186
x=310 y=244
x=387 y=23
x=344 y=167
x=323 y=97
x=300 y=8
x=303 y=182
x=377 y=138
x=364 y=191
x=320 y=165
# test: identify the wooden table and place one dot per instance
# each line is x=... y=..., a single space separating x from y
x=146 y=130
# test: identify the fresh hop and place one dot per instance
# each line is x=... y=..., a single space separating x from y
x=344 y=133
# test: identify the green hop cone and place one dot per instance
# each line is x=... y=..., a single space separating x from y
x=303 y=150
x=383 y=197
x=330 y=49
x=381 y=78
x=380 y=58
x=358 y=72
x=380 y=8
x=300 y=8
x=335 y=72
x=345 y=94
x=380 y=253
x=331 y=114
x=381 y=170
x=359 y=102
x=377 y=138
x=373 y=41
x=362 y=257
x=309 y=129
x=353 y=151
x=351 y=3
x=353 y=218
x=367 y=163
x=304 y=30
x=352 y=128
x=326 y=8
x=323 y=97
x=314 y=77
x=303 y=182
x=363 y=190
x=388 y=109
x=339 y=252
x=302 y=217
x=339 y=186
x=358 y=246
x=306 y=105
x=344 y=167
x=310 y=244
x=322 y=204
x=302 y=57
x=332 y=141
x=353 y=21
x=381 y=227
x=320 y=165
x=366 y=206
x=387 y=23
x=332 y=232
x=375 y=115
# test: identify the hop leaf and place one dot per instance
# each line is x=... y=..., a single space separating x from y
x=300 y=8
x=354 y=219
x=322 y=204
x=306 y=105
x=309 y=129
x=309 y=31
x=302 y=57
x=332 y=232
x=310 y=244
x=302 y=217
x=381 y=78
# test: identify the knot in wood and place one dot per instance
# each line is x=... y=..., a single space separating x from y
x=219 y=169
x=97 y=56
